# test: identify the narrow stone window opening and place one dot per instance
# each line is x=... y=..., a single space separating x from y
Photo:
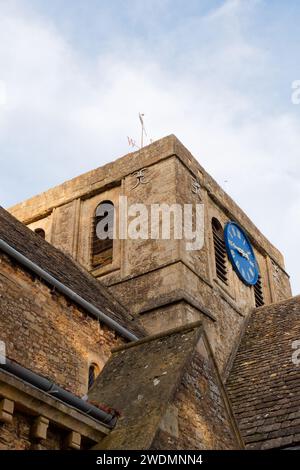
x=103 y=224
x=93 y=373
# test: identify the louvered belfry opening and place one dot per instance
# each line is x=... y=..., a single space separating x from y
x=220 y=251
x=102 y=249
x=258 y=293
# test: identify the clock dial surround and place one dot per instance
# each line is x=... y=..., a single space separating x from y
x=241 y=254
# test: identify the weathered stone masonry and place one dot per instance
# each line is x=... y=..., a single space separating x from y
x=45 y=332
x=154 y=272
x=49 y=334
x=168 y=386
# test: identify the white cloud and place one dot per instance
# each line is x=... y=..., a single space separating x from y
x=3 y=93
x=67 y=113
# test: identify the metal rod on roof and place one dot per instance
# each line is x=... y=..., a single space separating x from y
x=67 y=291
x=141 y=116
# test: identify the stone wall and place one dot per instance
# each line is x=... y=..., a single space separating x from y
x=18 y=435
x=101 y=179
x=169 y=393
x=45 y=332
x=200 y=416
x=33 y=419
x=146 y=275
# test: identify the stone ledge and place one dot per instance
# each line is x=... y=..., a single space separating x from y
x=134 y=276
x=6 y=410
x=34 y=402
x=163 y=334
x=223 y=294
x=174 y=298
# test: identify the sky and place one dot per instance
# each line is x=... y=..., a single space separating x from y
x=74 y=75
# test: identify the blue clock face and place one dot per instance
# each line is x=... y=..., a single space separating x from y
x=241 y=254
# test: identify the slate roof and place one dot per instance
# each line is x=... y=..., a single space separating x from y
x=64 y=269
x=264 y=383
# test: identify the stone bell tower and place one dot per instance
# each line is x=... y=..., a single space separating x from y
x=160 y=281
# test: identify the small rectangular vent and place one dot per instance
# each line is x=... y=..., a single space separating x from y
x=258 y=293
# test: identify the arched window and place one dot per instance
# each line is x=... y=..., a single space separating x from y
x=258 y=293
x=93 y=373
x=103 y=230
x=40 y=232
x=220 y=251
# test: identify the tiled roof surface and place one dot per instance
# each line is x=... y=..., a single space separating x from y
x=264 y=383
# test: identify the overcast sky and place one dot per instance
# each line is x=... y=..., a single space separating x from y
x=75 y=73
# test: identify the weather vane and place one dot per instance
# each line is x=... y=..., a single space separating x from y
x=132 y=142
x=143 y=129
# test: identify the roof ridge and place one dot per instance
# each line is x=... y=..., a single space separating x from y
x=163 y=334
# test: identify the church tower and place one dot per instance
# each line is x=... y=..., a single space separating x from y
x=159 y=280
